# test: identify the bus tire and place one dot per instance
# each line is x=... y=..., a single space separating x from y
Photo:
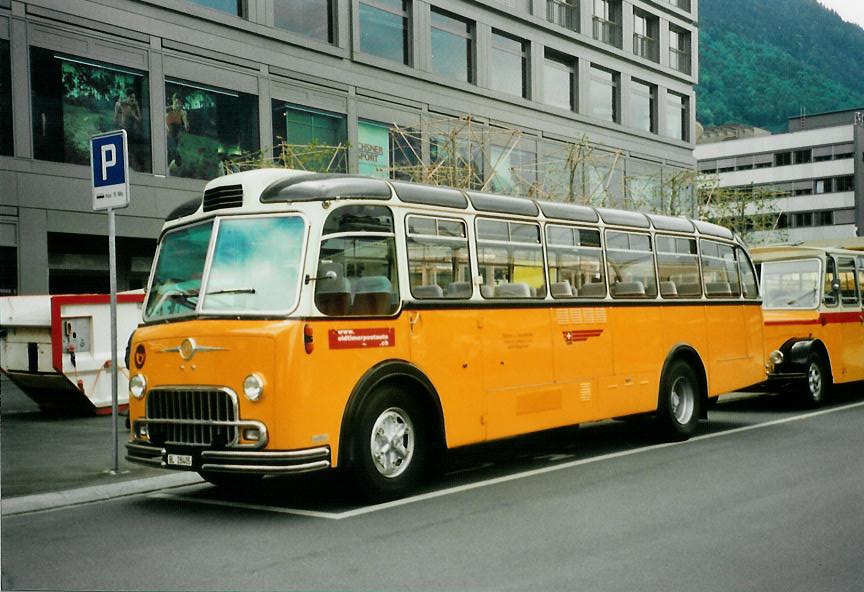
x=390 y=444
x=818 y=381
x=678 y=406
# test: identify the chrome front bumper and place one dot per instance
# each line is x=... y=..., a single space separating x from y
x=259 y=462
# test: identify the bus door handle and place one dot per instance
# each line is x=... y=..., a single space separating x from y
x=413 y=320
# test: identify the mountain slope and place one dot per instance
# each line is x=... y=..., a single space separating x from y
x=762 y=62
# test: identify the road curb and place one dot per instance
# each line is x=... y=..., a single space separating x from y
x=83 y=495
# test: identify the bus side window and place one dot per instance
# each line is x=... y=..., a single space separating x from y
x=719 y=270
x=575 y=262
x=510 y=257
x=631 y=265
x=678 y=265
x=748 y=278
x=848 y=282
x=438 y=262
x=831 y=288
x=861 y=278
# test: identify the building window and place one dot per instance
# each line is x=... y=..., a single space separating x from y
x=452 y=46
x=643 y=105
x=846 y=183
x=74 y=99
x=564 y=13
x=823 y=186
x=405 y=152
x=607 y=21
x=824 y=218
x=677 y=116
x=229 y=6
x=604 y=94
x=559 y=81
x=782 y=159
x=207 y=127
x=309 y=139
x=803 y=156
x=646 y=31
x=384 y=29
x=508 y=63
x=5 y=99
x=373 y=149
x=517 y=5
x=679 y=49
x=312 y=18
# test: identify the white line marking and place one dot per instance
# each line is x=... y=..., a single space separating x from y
x=504 y=479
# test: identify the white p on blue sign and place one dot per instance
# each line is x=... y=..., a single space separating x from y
x=109 y=164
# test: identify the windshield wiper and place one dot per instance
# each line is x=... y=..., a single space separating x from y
x=233 y=291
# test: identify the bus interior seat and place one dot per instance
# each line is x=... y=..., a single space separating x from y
x=689 y=291
x=514 y=290
x=487 y=291
x=428 y=291
x=459 y=290
x=668 y=289
x=332 y=295
x=595 y=290
x=628 y=289
x=561 y=289
x=718 y=289
x=372 y=296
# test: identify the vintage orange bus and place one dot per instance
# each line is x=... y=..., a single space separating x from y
x=297 y=321
x=814 y=316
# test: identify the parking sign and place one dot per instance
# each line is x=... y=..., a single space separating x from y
x=109 y=165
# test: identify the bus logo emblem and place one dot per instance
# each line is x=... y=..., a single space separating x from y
x=570 y=337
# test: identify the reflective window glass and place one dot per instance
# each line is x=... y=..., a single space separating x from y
x=5 y=99
x=229 y=6
x=207 y=128
x=678 y=266
x=559 y=75
x=642 y=105
x=604 y=94
x=384 y=29
x=630 y=265
x=358 y=276
x=719 y=270
x=452 y=46
x=507 y=66
x=313 y=18
x=438 y=258
x=75 y=98
x=309 y=139
x=677 y=116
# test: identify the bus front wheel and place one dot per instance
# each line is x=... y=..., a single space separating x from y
x=390 y=444
x=818 y=381
x=678 y=408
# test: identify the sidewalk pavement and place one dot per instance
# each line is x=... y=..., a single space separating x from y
x=51 y=461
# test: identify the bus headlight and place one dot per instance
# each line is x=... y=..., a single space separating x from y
x=253 y=387
x=775 y=358
x=137 y=385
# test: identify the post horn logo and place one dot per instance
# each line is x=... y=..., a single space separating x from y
x=140 y=356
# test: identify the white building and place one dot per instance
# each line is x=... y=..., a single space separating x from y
x=818 y=164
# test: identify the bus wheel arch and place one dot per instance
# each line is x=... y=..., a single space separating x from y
x=391 y=396
x=682 y=399
x=819 y=376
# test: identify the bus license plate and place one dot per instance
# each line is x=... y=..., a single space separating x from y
x=181 y=460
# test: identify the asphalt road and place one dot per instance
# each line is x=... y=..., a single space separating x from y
x=768 y=497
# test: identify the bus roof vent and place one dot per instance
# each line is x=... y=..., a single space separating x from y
x=564 y=211
x=226 y=196
x=432 y=196
x=624 y=218
x=317 y=187
x=502 y=204
x=713 y=229
x=673 y=223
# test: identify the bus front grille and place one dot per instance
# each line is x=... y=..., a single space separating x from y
x=198 y=417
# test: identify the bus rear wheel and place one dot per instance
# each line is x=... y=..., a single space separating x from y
x=678 y=408
x=390 y=445
x=818 y=381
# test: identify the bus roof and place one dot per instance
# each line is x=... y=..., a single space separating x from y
x=796 y=251
x=265 y=190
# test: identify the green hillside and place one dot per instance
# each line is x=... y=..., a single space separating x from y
x=763 y=61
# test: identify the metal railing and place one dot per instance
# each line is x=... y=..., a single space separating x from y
x=607 y=31
x=564 y=13
x=679 y=60
x=646 y=47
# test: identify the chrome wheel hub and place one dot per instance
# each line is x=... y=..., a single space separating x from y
x=392 y=442
x=682 y=400
x=814 y=380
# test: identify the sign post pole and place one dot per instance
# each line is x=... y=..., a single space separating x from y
x=109 y=163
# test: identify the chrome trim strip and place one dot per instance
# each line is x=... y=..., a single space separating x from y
x=268 y=469
x=286 y=455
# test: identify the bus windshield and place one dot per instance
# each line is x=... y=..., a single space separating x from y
x=255 y=269
x=791 y=284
